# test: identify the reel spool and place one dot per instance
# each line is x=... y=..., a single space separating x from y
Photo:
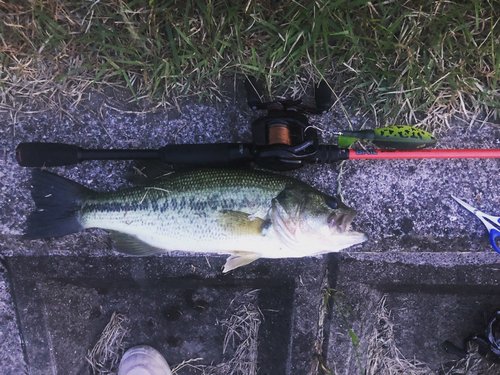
x=281 y=127
x=283 y=139
x=279 y=134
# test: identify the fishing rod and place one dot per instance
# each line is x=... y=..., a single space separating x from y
x=282 y=140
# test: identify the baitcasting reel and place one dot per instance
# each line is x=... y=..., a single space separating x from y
x=282 y=140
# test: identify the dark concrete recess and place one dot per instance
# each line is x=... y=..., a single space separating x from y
x=427 y=257
x=430 y=303
x=64 y=302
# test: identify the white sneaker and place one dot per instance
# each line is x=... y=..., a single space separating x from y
x=143 y=360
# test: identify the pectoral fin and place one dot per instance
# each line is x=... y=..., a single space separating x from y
x=238 y=259
x=237 y=222
x=127 y=244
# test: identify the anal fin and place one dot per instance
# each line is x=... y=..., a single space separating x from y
x=238 y=259
x=128 y=244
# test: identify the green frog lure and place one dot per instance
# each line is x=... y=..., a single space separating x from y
x=400 y=137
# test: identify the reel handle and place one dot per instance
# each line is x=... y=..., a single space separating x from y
x=323 y=96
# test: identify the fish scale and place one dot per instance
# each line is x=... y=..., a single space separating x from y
x=174 y=213
x=248 y=214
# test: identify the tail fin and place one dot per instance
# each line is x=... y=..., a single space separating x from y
x=58 y=202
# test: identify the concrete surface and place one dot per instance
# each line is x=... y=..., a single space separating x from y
x=428 y=256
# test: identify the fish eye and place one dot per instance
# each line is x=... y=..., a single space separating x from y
x=331 y=202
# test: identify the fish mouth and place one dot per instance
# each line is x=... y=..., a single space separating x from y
x=341 y=222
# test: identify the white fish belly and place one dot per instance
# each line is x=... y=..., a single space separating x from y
x=193 y=234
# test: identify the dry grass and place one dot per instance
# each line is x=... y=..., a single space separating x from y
x=384 y=357
x=243 y=326
x=104 y=357
x=475 y=364
x=242 y=329
x=406 y=62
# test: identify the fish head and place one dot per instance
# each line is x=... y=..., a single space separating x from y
x=306 y=218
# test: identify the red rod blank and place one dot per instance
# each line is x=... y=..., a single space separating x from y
x=425 y=154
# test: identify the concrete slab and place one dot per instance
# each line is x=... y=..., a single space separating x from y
x=430 y=258
x=11 y=354
x=175 y=305
x=430 y=302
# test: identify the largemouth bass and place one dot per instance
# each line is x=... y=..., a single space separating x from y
x=245 y=213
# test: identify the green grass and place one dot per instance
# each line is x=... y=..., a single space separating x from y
x=407 y=62
x=336 y=299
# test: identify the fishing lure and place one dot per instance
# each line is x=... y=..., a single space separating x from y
x=399 y=137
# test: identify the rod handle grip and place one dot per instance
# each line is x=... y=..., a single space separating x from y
x=38 y=154
x=207 y=155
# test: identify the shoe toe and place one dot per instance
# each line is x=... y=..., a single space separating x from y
x=143 y=360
